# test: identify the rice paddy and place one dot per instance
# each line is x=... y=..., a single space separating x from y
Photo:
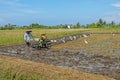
x=13 y=37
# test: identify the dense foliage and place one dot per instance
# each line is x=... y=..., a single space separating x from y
x=99 y=24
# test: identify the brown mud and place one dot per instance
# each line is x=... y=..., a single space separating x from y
x=75 y=59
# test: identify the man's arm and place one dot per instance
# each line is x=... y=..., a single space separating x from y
x=25 y=36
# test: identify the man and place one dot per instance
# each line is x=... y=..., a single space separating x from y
x=27 y=37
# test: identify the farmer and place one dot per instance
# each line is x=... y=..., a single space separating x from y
x=28 y=37
x=42 y=41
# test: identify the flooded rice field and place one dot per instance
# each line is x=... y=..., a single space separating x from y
x=96 y=54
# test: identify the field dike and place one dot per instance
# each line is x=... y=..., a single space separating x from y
x=74 y=59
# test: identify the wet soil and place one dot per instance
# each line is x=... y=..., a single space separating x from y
x=67 y=58
x=76 y=59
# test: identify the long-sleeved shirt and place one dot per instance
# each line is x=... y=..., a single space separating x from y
x=28 y=37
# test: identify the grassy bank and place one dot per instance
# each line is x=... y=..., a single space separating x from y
x=17 y=69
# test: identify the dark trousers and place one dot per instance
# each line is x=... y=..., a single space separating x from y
x=28 y=44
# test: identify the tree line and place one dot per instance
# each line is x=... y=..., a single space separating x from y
x=99 y=24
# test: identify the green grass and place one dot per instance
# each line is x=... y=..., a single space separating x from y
x=104 y=30
x=13 y=37
x=9 y=75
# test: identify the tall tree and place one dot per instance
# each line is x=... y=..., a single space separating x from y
x=78 y=25
x=112 y=24
x=9 y=26
x=100 y=23
x=104 y=23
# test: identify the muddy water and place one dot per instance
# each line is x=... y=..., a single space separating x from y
x=110 y=49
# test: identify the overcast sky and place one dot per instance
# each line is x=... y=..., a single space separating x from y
x=53 y=12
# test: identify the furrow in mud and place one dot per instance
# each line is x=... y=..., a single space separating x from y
x=75 y=59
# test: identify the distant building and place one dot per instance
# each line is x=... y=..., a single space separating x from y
x=68 y=26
